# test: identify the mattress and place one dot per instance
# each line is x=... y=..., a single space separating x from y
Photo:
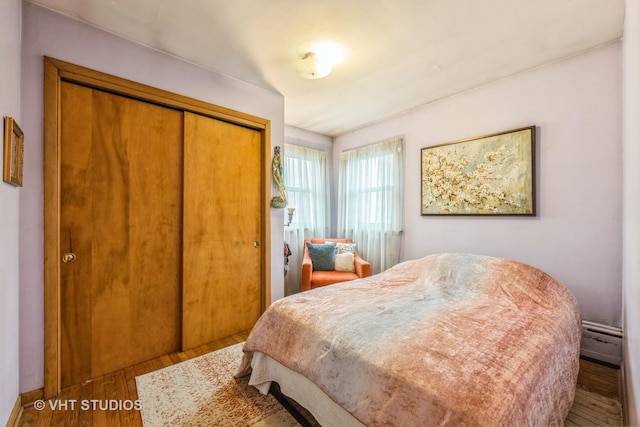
x=449 y=339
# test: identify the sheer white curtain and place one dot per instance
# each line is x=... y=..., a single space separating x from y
x=370 y=201
x=306 y=180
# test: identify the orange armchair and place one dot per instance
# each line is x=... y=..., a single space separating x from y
x=314 y=279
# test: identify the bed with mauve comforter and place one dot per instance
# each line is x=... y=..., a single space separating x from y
x=449 y=339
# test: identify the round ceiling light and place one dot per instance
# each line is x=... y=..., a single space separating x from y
x=319 y=59
x=312 y=67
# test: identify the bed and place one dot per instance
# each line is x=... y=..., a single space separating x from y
x=449 y=339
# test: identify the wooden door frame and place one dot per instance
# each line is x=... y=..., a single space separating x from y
x=56 y=72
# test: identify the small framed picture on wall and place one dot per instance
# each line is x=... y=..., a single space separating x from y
x=13 y=152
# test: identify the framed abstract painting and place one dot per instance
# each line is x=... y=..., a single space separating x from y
x=487 y=175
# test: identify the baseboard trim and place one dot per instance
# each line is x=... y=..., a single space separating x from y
x=623 y=394
x=28 y=397
x=601 y=342
x=16 y=414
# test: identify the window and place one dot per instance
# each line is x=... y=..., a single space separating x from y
x=306 y=179
x=370 y=201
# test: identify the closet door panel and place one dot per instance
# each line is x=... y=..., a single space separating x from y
x=75 y=196
x=222 y=229
x=121 y=215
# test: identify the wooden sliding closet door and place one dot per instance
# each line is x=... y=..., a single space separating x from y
x=121 y=164
x=222 y=229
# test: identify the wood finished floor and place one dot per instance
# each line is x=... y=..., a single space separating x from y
x=119 y=386
x=597 y=400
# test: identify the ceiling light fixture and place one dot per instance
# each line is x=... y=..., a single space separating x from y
x=319 y=59
x=312 y=67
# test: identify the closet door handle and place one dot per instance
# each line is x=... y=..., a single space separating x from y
x=256 y=244
x=69 y=257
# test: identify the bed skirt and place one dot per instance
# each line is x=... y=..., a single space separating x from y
x=265 y=370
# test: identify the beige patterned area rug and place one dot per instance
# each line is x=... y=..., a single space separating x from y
x=203 y=392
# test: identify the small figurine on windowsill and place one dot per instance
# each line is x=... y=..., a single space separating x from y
x=279 y=201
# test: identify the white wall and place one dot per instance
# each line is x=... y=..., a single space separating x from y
x=576 y=235
x=9 y=212
x=631 y=194
x=305 y=138
x=49 y=34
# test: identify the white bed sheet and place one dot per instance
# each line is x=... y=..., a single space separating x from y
x=327 y=412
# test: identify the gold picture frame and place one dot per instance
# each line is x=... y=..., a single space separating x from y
x=487 y=175
x=13 y=152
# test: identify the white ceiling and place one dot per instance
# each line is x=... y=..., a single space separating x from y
x=400 y=53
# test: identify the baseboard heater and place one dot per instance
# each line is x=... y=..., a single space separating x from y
x=601 y=342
